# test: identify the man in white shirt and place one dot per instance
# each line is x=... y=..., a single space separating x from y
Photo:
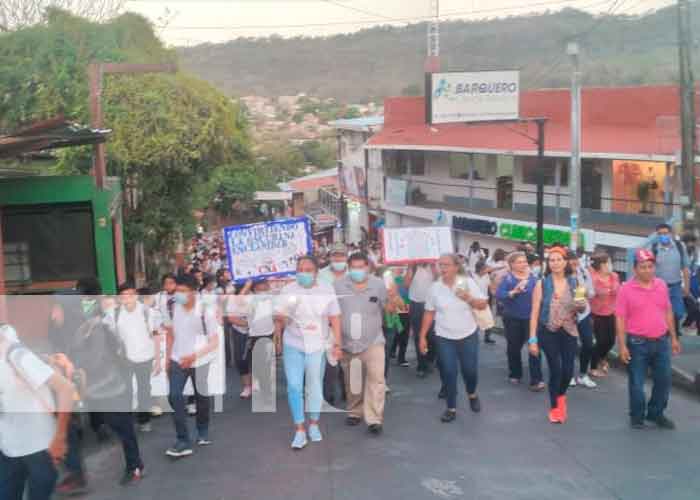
x=419 y=279
x=137 y=327
x=192 y=343
x=32 y=439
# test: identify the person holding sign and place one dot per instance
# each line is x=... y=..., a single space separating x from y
x=419 y=280
x=303 y=313
x=363 y=301
x=450 y=303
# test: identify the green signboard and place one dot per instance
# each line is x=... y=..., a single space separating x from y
x=528 y=233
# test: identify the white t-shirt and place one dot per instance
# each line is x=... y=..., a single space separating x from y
x=307 y=310
x=483 y=282
x=237 y=305
x=188 y=332
x=421 y=283
x=27 y=425
x=162 y=305
x=136 y=334
x=453 y=316
x=260 y=315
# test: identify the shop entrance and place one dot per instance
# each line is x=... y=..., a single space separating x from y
x=505 y=192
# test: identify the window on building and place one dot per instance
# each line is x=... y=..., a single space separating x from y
x=417 y=162
x=482 y=165
x=459 y=166
x=549 y=166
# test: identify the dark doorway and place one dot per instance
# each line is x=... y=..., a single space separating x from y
x=591 y=184
x=505 y=193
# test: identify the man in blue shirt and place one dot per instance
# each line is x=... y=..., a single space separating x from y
x=672 y=266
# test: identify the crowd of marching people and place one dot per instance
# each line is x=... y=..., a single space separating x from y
x=337 y=325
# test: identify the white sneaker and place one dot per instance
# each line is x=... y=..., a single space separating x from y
x=247 y=392
x=586 y=381
x=573 y=382
x=387 y=389
x=192 y=409
x=156 y=411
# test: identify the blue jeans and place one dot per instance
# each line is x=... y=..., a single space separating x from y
x=301 y=367
x=466 y=353
x=560 y=350
x=34 y=472
x=654 y=354
x=177 y=377
x=585 y=333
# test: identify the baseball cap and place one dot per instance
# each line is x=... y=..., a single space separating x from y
x=339 y=248
x=644 y=255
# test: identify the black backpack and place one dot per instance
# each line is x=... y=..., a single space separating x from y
x=679 y=247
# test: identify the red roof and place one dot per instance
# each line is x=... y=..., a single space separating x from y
x=638 y=122
x=303 y=185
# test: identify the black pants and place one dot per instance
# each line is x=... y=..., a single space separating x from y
x=604 y=331
x=401 y=340
x=425 y=362
x=228 y=341
x=35 y=473
x=142 y=372
x=121 y=423
x=517 y=334
x=560 y=350
x=240 y=341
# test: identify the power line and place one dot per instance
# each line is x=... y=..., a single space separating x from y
x=355 y=9
x=376 y=21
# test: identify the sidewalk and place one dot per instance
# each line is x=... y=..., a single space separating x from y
x=686 y=366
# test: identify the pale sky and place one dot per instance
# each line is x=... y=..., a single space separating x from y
x=189 y=22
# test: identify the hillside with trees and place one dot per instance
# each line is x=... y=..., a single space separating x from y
x=382 y=61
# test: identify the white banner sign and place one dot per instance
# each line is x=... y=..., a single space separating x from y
x=403 y=245
x=478 y=96
x=267 y=249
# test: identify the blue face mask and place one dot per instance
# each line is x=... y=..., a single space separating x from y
x=338 y=266
x=358 y=275
x=180 y=298
x=305 y=280
x=664 y=239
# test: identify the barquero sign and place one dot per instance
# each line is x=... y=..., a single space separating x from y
x=472 y=96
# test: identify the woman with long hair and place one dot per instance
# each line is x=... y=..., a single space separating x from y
x=553 y=328
x=450 y=302
x=606 y=283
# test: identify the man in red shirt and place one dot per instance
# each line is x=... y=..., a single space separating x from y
x=646 y=336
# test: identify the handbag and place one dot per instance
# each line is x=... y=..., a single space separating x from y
x=484 y=318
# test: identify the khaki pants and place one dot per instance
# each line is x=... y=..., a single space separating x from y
x=364 y=384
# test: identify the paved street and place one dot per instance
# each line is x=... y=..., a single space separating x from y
x=509 y=451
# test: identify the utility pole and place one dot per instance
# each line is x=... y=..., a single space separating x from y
x=540 y=186
x=96 y=72
x=687 y=96
x=572 y=50
x=432 y=60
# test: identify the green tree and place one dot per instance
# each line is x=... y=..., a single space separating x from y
x=319 y=153
x=169 y=131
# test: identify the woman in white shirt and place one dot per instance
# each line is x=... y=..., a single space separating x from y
x=450 y=302
x=303 y=312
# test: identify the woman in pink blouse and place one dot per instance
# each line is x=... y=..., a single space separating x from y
x=606 y=284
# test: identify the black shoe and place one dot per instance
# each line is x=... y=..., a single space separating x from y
x=443 y=393
x=353 y=421
x=663 y=422
x=637 y=424
x=475 y=404
x=392 y=355
x=448 y=416
x=375 y=429
x=488 y=339
x=421 y=374
x=132 y=476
